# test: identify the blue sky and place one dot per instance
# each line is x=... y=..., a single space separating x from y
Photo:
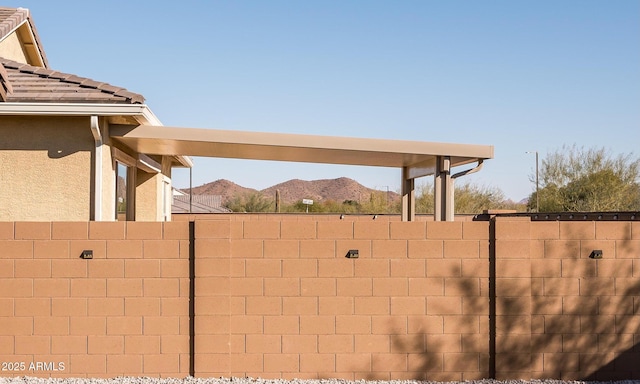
x=519 y=75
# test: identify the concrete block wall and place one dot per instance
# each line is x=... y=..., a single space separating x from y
x=275 y=296
x=280 y=299
x=124 y=312
x=559 y=313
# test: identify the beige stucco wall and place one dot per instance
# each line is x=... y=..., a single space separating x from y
x=150 y=200
x=45 y=168
x=148 y=196
x=10 y=48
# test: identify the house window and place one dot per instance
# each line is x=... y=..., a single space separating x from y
x=122 y=188
x=125 y=184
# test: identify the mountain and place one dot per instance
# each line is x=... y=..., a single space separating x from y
x=225 y=188
x=291 y=191
x=339 y=190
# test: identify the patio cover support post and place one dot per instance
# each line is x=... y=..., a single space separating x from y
x=408 y=196
x=443 y=190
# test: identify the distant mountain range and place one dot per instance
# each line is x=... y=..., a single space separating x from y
x=292 y=191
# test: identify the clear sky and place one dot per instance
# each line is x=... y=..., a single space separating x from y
x=520 y=75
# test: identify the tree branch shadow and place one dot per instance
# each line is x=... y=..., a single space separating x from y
x=584 y=323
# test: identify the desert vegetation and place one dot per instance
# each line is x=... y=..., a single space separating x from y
x=469 y=198
x=577 y=179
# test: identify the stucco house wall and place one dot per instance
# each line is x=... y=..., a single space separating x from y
x=47 y=172
x=45 y=168
x=150 y=201
x=11 y=48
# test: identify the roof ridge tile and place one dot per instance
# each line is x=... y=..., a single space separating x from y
x=10 y=21
x=44 y=71
x=55 y=75
x=75 y=79
x=91 y=83
x=110 y=88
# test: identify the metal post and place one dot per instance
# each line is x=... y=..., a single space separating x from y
x=537 y=182
x=537 y=186
x=190 y=187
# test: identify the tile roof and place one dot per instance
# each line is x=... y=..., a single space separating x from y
x=5 y=86
x=11 y=18
x=26 y=83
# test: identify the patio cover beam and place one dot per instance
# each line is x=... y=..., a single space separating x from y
x=414 y=158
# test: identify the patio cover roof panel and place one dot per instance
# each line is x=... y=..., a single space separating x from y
x=174 y=141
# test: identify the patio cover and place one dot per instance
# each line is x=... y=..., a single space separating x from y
x=414 y=158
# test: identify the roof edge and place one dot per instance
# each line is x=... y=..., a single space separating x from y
x=141 y=112
x=37 y=40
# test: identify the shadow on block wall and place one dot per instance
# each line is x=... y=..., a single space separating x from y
x=622 y=367
x=411 y=356
x=451 y=342
x=593 y=328
x=575 y=318
x=583 y=320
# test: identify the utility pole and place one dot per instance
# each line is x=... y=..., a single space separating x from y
x=537 y=182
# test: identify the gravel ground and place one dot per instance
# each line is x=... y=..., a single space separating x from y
x=191 y=380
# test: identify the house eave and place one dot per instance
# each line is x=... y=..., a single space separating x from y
x=141 y=112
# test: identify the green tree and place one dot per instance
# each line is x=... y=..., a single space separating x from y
x=251 y=202
x=575 y=179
